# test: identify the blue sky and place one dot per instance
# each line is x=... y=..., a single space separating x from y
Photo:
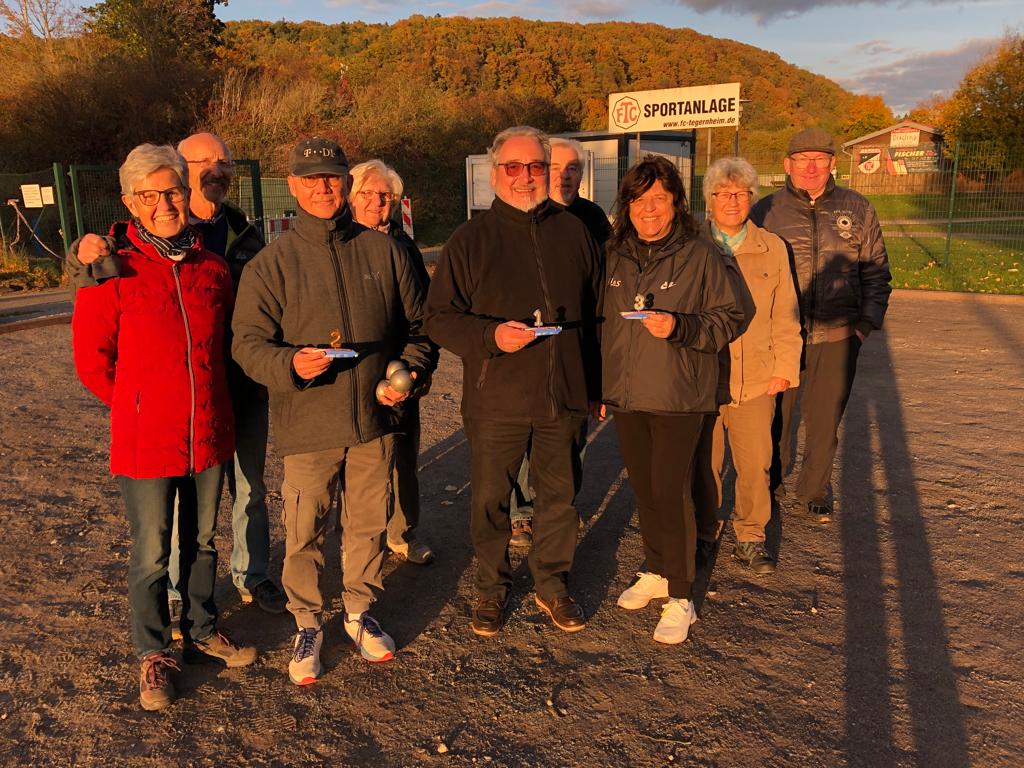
x=904 y=50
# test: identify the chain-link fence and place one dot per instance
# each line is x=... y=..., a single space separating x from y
x=31 y=243
x=96 y=195
x=952 y=215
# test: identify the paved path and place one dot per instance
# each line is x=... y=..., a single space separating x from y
x=19 y=311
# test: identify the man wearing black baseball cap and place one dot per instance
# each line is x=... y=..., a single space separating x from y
x=843 y=279
x=331 y=285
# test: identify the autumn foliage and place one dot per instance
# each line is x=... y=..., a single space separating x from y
x=421 y=93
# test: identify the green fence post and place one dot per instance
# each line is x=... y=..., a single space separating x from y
x=257 y=195
x=76 y=201
x=952 y=200
x=62 y=205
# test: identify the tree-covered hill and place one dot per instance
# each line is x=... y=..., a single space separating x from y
x=421 y=93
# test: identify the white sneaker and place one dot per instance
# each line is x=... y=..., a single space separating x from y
x=676 y=617
x=646 y=588
x=304 y=667
x=373 y=642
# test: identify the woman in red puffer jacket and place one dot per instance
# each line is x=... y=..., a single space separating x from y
x=151 y=345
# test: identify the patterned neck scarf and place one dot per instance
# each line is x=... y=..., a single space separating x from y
x=175 y=248
x=728 y=242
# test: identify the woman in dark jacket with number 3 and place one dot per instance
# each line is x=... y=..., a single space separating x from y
x=669 y=307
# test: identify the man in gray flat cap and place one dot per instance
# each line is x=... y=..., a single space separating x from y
x=843 y=280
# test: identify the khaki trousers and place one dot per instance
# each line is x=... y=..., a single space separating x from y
x=310 y=489
x=750 y=442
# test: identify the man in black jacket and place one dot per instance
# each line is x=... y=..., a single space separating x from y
x=568 y=164
x=525 y=262
x=843 y=281
x=227 y=232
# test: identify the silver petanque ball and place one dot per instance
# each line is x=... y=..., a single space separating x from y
x=394 y=365
x=381 y=386
x=401 y=380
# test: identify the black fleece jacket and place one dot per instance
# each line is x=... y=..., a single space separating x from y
x=504 y=264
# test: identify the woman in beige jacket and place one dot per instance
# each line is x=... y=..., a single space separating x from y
x=764 y=361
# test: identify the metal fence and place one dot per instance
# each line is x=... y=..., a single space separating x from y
x=96 y=195
x=969 y=194
x=963 y=210
x=31 y=233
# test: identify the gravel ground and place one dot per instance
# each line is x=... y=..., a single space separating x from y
x=889 y=637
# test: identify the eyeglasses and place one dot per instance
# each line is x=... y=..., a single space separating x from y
x=731 y=197
x=800 y=163
x=152 y=196
x=223 y=165
x=369 y=194
x=658 y=200
x=312 y=181
x=514 y=169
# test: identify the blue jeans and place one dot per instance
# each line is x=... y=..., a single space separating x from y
x=250 y=549
x=150 y=506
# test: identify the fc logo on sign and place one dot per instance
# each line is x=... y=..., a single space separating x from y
x=626 y=112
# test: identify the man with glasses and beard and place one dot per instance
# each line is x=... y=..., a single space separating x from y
x=843 y=283
x=568 y=164
x=515 y=296
x=226 y=231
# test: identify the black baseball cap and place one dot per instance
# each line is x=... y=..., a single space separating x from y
x=314 y=156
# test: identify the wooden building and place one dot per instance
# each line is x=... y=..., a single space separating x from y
x=905 y=157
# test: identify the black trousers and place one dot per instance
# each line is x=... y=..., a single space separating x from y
x=658 y=451
x=824 y=390
x=497 y=449
x=706 y=496
x=405 y=512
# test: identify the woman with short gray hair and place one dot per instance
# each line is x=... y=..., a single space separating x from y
x=763 y=361
x=372 y=194
x=150 y=345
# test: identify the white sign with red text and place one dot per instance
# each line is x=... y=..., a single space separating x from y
x=675 y=109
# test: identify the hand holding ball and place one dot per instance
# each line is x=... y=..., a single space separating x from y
x=399 y=380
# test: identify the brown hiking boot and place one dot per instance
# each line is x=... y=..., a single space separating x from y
x=220 y=648
x=522 y=532
x=156 y=684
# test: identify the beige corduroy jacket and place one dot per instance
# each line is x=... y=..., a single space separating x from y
x=772 y=344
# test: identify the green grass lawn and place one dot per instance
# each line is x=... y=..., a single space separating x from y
x=974 y=265
x=936 y=206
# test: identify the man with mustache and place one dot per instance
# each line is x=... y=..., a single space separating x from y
x=227 y=232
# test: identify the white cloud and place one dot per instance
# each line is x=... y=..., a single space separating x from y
x=908 y=81
x=767 y=11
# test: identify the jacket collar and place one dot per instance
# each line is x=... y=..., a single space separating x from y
x=513 y=215
x=669 y=246
x=341 y=227
x=802 y=196
x=752 y=243
x=238 y=222
x=126 y=235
